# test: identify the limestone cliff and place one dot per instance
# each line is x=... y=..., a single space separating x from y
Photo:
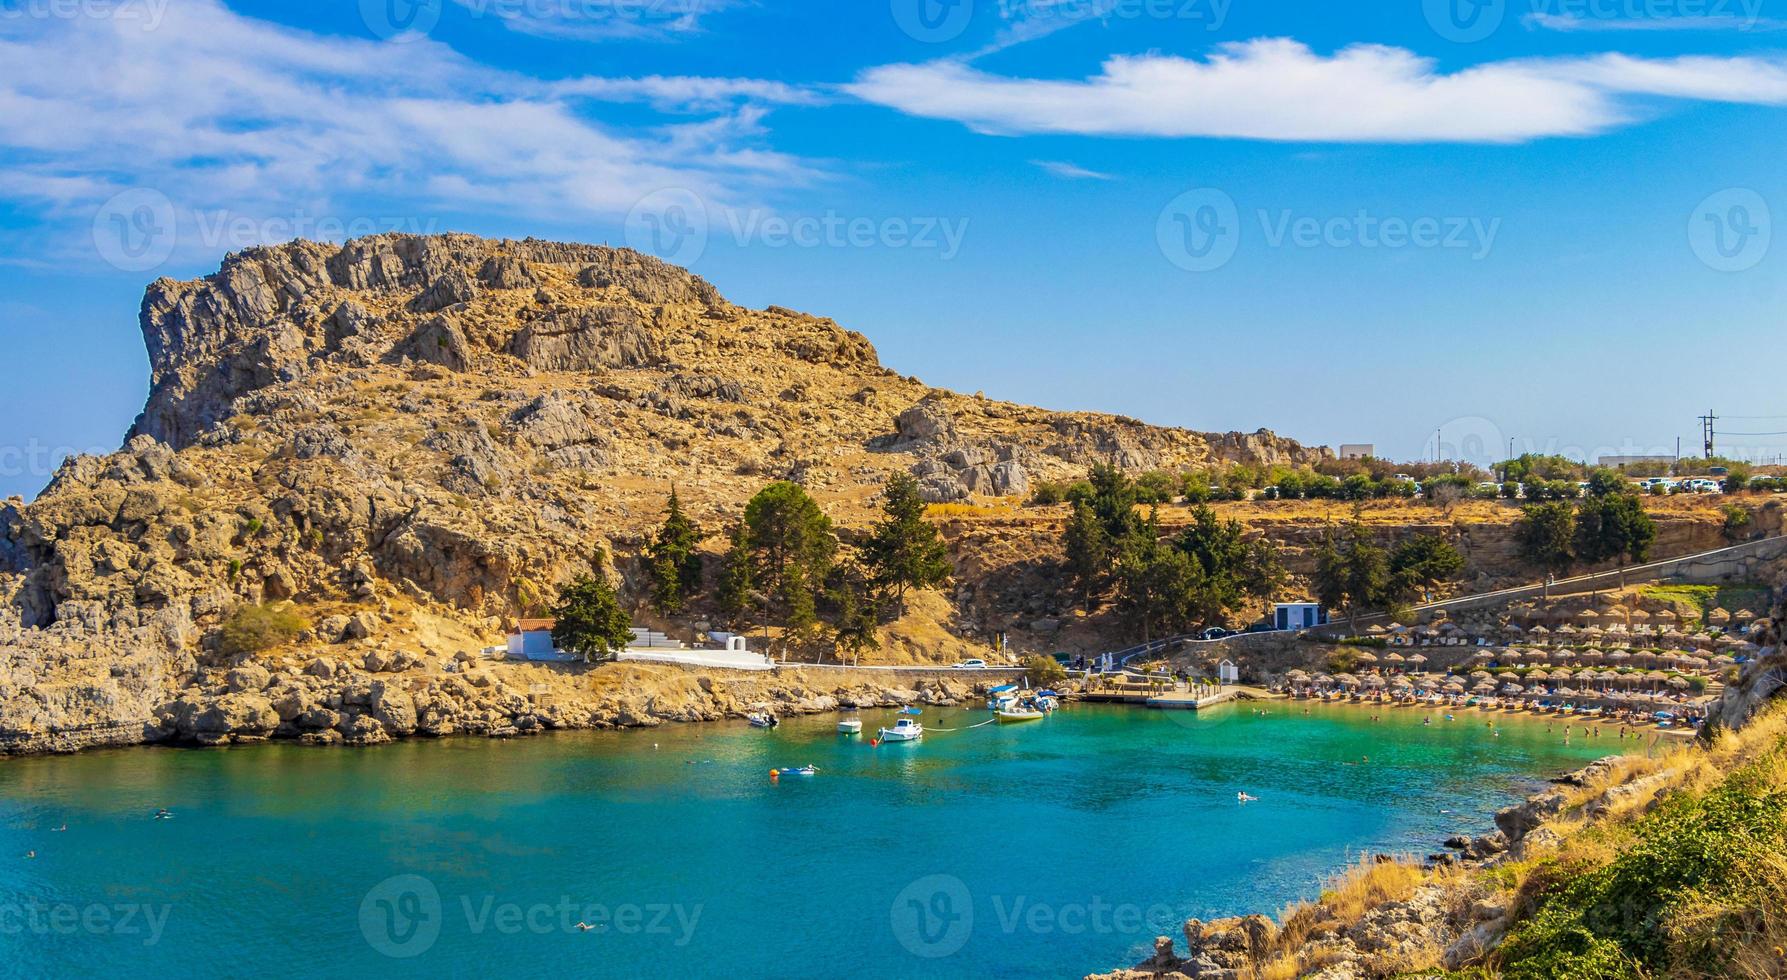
x=449 y=426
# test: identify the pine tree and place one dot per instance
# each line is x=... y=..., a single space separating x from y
x=589 y=619
x=1089 y=552
x=904 y=551
x=856 y=617
x=673 y=562
x=792 y=547
x=737 y=590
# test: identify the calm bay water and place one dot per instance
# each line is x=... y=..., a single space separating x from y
x=1049 y=848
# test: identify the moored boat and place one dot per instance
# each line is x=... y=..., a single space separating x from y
x=907 y=729
x=762 y=719
x=1006 y=715
x=850 y=726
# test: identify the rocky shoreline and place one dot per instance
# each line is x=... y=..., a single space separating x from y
x=1448 y=912
x=68 y=689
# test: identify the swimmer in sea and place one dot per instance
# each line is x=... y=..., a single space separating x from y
x=30 y=855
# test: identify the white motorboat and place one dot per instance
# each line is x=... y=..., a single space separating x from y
x=761 y=719
x=904 y=730
x=850 y=726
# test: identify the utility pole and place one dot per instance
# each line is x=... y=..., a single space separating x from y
x=1706 y=430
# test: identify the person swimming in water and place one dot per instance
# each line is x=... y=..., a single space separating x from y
x=59 y=830
x=164 y=814
x=1243 y=797
x=29 y=855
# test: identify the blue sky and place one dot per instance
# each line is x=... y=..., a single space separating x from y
x=1541 y=220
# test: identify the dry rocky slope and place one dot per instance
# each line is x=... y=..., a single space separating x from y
x=414 y=438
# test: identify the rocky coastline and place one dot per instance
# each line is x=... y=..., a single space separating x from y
x=1448 y=912
x=69 y=689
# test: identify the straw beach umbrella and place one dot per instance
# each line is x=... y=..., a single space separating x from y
x=1417 y=659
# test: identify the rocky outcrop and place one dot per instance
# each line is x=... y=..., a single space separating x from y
x=445 y=424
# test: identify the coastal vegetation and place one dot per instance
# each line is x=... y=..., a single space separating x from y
x=1609 y=522
x=588 y=618
x=255 y=627
x=786 y=567
x=672 y=561
x=1354 y=574
x=1113 y=550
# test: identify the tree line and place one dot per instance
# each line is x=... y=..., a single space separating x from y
x=783 y=566
x=1162 y=585
x=1354 y=574
x=1609 y=522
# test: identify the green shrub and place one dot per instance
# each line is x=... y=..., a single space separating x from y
x=1043 y=670
x=1673 y=902
x=252 y=628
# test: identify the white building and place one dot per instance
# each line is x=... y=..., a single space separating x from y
x=1298 y=615
x=532 y=640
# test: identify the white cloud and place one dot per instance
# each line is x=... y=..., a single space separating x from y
x=683 y=93
x=223 y=112
x=599 y=20
x=1069 y=171
x=1571 y=23
x=1278 y=89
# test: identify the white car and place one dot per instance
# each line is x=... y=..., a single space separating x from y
x=970 y=665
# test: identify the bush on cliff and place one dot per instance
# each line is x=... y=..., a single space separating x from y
x=256 y=628
x=1698 y=891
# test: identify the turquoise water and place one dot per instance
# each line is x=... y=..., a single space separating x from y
x=1050 y=848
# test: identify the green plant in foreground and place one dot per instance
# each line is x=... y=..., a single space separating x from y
x=1700 y=877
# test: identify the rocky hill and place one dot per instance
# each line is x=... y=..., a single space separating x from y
x=414 y=438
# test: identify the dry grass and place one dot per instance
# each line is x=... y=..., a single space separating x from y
x=1003 y=507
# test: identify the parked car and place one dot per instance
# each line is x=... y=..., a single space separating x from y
x=974 y=664
x=1261 y=627
x=1214 y=632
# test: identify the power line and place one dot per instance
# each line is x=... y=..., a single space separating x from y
x=1781 y=433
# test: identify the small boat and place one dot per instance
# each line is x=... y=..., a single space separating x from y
x=807 y=770
x=904 y=730
x=850 y=726
x=762 y=719
x=1007 y=715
